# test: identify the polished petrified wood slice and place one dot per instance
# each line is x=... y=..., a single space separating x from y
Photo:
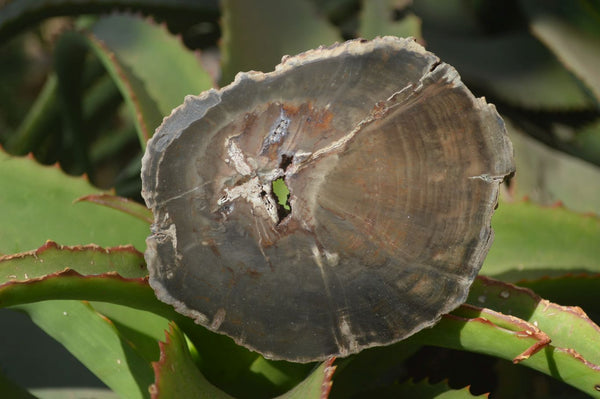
x=393 y=169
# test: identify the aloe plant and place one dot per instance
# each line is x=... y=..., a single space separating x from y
x=71 y=245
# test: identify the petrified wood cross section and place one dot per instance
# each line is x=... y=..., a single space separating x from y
x=393 y=169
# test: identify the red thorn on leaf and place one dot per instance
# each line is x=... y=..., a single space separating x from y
x=49 y=244
x=327 y=382
x=543 y=341
x=157 y=366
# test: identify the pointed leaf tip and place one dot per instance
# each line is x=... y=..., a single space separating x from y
x=122 y=204
x=176 y=374
x=317 y=385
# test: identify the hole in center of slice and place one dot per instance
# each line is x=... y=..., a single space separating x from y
x=282 y=196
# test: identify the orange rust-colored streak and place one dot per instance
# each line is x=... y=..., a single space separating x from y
x=323 y=119
x=253 y=273
x=293 y=110
x=319 y=119
x=214 y=247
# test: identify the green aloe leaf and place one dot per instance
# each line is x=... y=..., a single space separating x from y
x=577 y=49
x=39 y=206
x=151 y=67
x=43 y=119
x=586 y=143
x=257 y=34
x=52 y=258
x=31 y=280
x=89 y=273
x=84 y=272
x=74 y=116
x=573 y=356
x=122 y=204
x=571 y=30
x=143 y=329
x=547 y=176
x=116 y=140
x=512 y=67
x=176 y=375
x=70 y=58
x=31 y=217
x=533 y=241
x=42 y=275
x=221 y=361
x=16 y=16
x=377 y=20
x=577 y=290
x=120 y=366
x=88 y=97
x=282 y=375
x=69 y=284
x=523 y=328
x=568 y=327
x=488 y=332
x=317 y=385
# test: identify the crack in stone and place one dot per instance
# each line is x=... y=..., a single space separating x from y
x=179 y=195
x=488 y=178
x=385 y=106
